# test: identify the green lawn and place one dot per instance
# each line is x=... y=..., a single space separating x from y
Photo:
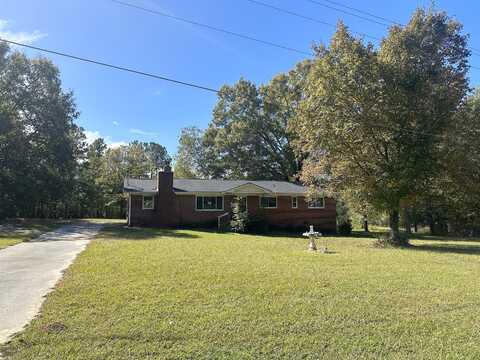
x=15 y=232
x=153 y=294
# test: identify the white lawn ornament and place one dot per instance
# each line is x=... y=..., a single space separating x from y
x=312 y=235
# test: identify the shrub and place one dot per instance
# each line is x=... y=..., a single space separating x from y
x=257 y=225
x=345 y=228
x=242 y=222
x=239 y=221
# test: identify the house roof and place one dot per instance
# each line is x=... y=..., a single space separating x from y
x=139 y=185
x=214 y=186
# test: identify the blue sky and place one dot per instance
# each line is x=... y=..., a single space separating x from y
x=122 y=107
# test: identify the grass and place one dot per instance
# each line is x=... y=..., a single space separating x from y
x=180 y=294
x=14 y=232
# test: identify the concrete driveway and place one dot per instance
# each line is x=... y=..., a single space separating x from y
x=28 y=271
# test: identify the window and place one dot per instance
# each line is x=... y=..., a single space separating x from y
x=317 y=203
x=147 y=203
x=294 y=202
x=209 y=203
x=268 y=202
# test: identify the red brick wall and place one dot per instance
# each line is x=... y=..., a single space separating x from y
x=286 y=216
x=142 y=217
x=189 y=216
x=180 y=210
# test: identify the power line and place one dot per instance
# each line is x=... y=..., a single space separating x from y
x=305 y=17
x=363 y=12
x=347 y=12
x=158 y=77
x=474 y=51
x=214 y=28
x=133 y=71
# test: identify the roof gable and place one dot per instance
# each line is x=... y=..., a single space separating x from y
x=248 y=188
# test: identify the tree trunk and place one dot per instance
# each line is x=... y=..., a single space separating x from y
x=365 y=224
x=429 y=216
x=408 y=224
x=393 y=222
x=431 y=225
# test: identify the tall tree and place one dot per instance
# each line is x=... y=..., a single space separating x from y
x=89 y=199
x=40 y=142
x=249 y=135
x=157 y=156
x=373 y=120
x=189 y=162
x=457 y=189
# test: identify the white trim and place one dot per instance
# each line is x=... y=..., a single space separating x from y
x=296 y=200
x=269 y=196
x=236 y=190
x=316 y=207
x=215 y=196
x=203 y=193
x=143 y=202
x=200 y=193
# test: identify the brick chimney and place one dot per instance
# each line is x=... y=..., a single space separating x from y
x=165 y=180
x=167 y=209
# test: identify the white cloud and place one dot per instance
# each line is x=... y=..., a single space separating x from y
x=19 y=36
x=91 y=136
x=116 y=144
x=115 y=123
x=143 y=132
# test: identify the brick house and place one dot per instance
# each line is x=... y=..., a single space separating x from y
x=169 y=202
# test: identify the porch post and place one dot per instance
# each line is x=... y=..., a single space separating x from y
x=129 y=221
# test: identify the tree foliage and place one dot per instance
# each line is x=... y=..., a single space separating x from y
x=39 y=141
x=47 y=169
x=373 y=120
x=111 y=166
x=189 y=162
x=457 y=189
x=249 y=136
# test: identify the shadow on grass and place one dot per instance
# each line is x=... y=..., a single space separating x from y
x=299 y=234
x=444 y=238
x=462 y=249
x=122 y=232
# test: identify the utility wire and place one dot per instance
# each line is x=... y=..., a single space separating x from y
x=347 y=12
x=158 y=77
x=305 y=17
x=475 y=51
x=133 y=71
x=363 y=12
x=214 y=28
